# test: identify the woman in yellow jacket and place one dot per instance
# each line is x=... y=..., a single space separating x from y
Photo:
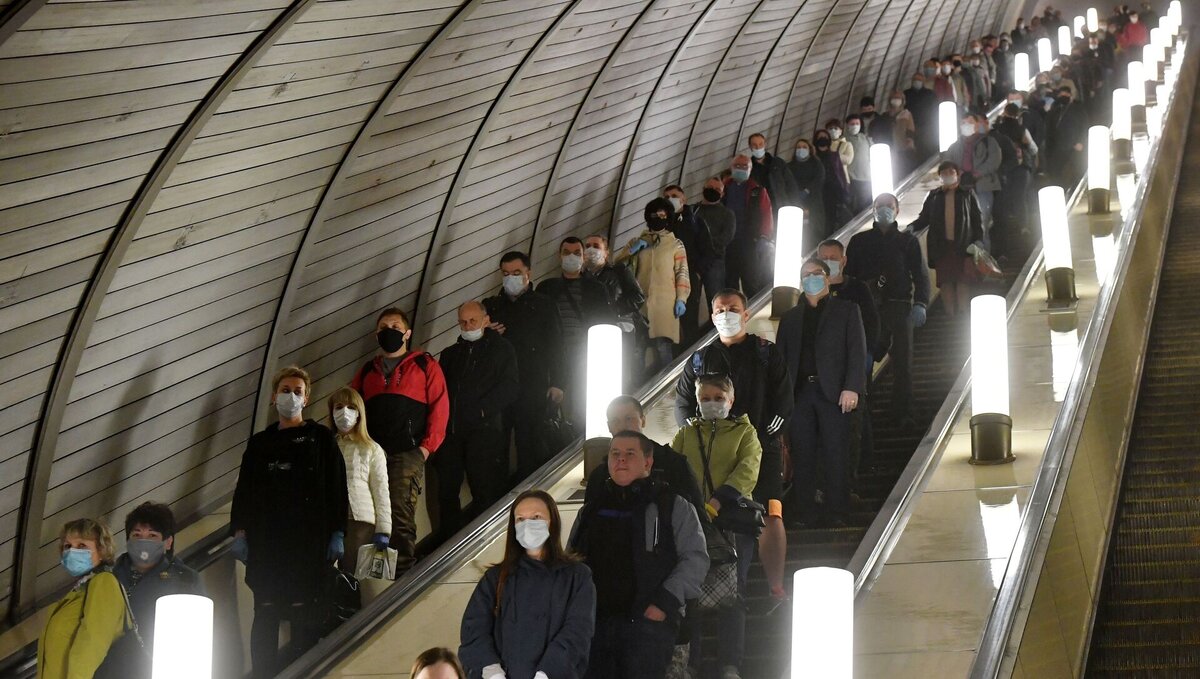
x=85 y=623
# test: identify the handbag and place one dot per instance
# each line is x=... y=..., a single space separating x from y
x=744 y=516
x=376 y=563
x=557 y=432
x=341 y=599
x=128 y=651
x=720 y=587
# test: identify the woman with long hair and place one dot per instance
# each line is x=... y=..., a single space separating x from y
x=370 y=517
x=532 y=615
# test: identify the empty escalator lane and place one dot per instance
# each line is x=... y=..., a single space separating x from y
x=1149 y=609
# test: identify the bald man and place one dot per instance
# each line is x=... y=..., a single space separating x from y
x=481 y=378
x=751 y=207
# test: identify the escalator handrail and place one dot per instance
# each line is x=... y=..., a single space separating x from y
x=1033 y=537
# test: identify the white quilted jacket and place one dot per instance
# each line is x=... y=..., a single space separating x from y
x=367 y=483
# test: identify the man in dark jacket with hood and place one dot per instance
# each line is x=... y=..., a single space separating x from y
x=481 y=378
x=697 y=243
x=772 y=173
x=647 y=553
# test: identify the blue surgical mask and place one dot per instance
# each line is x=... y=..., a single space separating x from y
x=758 y=153
x=740 y=175
x=514 y=285
x=835 y=267
x=533 y=533
x=813 y=284
x=78 y=562
x=802 y=154
x=885 y=214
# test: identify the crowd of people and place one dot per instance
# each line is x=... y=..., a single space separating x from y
x=662 y=528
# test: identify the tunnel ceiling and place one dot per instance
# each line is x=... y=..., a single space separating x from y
x=194 y=193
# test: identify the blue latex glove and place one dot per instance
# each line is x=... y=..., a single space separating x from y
x=918 y=316
x=337 y=546
x=240 y=549
x=637 y=246
x=380 y=540
x=680 y=307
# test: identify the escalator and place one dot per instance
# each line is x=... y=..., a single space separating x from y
x=1149 y=608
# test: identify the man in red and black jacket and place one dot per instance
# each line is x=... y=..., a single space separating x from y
x=407 y=411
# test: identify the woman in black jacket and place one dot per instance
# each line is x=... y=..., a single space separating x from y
x=809 y=173
x=533 y=614
x=836 y=188
x=952 y=246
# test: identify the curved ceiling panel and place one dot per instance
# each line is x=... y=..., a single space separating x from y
x=192 y=193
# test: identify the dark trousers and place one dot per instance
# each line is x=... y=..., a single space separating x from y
x=265 y=657
x=860 y=195
x=481 y=456
x=625 y=648
x=406 y=476
x=523 y=419
x=819 y=432
x=895 y=338
x=741 y=267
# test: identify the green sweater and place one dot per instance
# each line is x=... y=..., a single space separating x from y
x=733 y=455
x=77 y=637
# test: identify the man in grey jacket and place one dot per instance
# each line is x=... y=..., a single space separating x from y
x=647 y=553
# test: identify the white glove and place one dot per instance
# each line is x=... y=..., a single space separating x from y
x=494 y=672
x=625 y=326
x=973 y=249
x=540 y=675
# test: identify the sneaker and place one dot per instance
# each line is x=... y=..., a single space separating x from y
x=730 y=672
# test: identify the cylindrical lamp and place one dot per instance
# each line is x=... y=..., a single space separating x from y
x=881 y=170
x=1150 y=61
x=1099 y=170
x=991 y=424
x=1056 y=248
x=789 y=258
x=823 y=623
x=1093 y=20
x=1045 y=56
x=1064 y=40
x=1137 y=91
x=1021 y=71
x=947 y=125
x=603 y=376
x=1175 y=11
x=1122 y=124
x=183 y=637
x=1078 y=24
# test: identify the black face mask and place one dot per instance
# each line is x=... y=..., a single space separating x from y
x=712 y=195
x=656 y=223
x=391 y=340
x=822 y=144
x=1064 y=100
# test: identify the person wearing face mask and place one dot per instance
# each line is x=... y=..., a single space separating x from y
x=723 y=450
x=943 y=89
x=626 y=299
x=407 y=409
x=809 y=174
x=835 y=192
x=922 y=103
x=859 y=169
x=960 y=81
x=891 y=263
x=644 y=545
x=721 y=225
x=754 y=218
x=866 y=111
x=147 y=570
x=1066 y=139
x=697 y=243
x=1011 y=216
x=1133 y=36
x=482 y=380
x=659 y=260
x=370 y=517
x=288 y=520
x=537 y=580
x=952 y=215
x=771 y=172
x=90 y=619
x=897 y=129
x=980 y=160
x=840 y=145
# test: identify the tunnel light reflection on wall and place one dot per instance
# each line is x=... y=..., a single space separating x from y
x=1056 y=247
x=823 y=624
x=789 y=259
x=183 y=637
x=1045 y=57
x=1021 y=70
x=881 y=170
x=991 y=425
x=604 y=370
x=1099 y=170
x=1064 y=40
x=1093 y=20
x=947 y=125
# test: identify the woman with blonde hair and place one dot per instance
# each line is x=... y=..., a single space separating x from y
x=370 y=516
x=83 y=625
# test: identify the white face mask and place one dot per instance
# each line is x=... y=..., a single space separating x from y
x=854 y=128
x=714 y=410
x=967 y=129
x=896 y=103
x=594 y=256
x=949 y=179
x=758 y=153
x=289 y=406
x=802 y=153
x=345 y=418
x=514 y=284
x=572 y=263
x=946 y=69
x=835 y=133
x=728 y=323
x=676 y=202
x=533 y=533
x=472 y=335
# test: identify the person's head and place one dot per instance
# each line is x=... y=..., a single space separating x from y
x=758 y=145
x=866 y=105
x=717 y=392
x=885 y=209
x=834 y=127
x=393 y=331
x=714 y=190
x=630 y=457
x=473 y=319
x=438 y=663
x=931 y=68
x=969 y=126
x=85 y=544
x=514 y=267
x=833 y=253
x=625 y=413
x=896 y=101
x=918 y=81
x=149 y=534
x=948 y=172
x=814 y=277
x=822 y=140
x=534 y=528
x=349 y=415
x=730 y=313
x=1016 y=97
x=739 y=169
x=1063 y=95
x=675 y=196
x=595 y=251
x=289 y=392
x=570 y=255
x=854 y=123
x=658 y=214
x=1012 y=111
x=804 y=150
x=1133 y=17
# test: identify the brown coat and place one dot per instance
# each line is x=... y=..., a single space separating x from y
x=662 y=271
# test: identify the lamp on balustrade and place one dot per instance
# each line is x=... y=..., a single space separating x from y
x=1122 y=124
x=822 y=623
x=991 y=422
x=947 y=125
x=1099 y=170
x=183 y=637
x=789 y=258
x=882 y=179
x=1056 y=248
x=604 y=371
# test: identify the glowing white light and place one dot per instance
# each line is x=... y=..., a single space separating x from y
x=789 y=247
x=1154 y=121
x=1150 y=61
x=1141 y=150
x=1078 y=23
x=1137 y=84
x=1093 y=20
x=947 y=124
x=1045 y=57
x=1021 y=70
x=823 y=623
x=1175 y=11
x=1099 y=155
x=1064 y=40
x=183 y=637
x=1126 y=188
x=1105 y=250
x=1064 y=352
x=882 y=180
x=604 y=369
x=1122 y=119
x=989 y=352
x=1056 y=239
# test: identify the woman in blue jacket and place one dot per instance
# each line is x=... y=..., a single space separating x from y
x=532 y=615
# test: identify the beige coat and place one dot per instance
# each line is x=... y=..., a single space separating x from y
x=662 y=271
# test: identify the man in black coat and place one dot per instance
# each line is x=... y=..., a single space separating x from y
x=697 y=243
x=1066 y=139
x=626 y=298
x=528 y=320
x=826 y=353
x=772 y=173
x=482 y=380
x=921 y=101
